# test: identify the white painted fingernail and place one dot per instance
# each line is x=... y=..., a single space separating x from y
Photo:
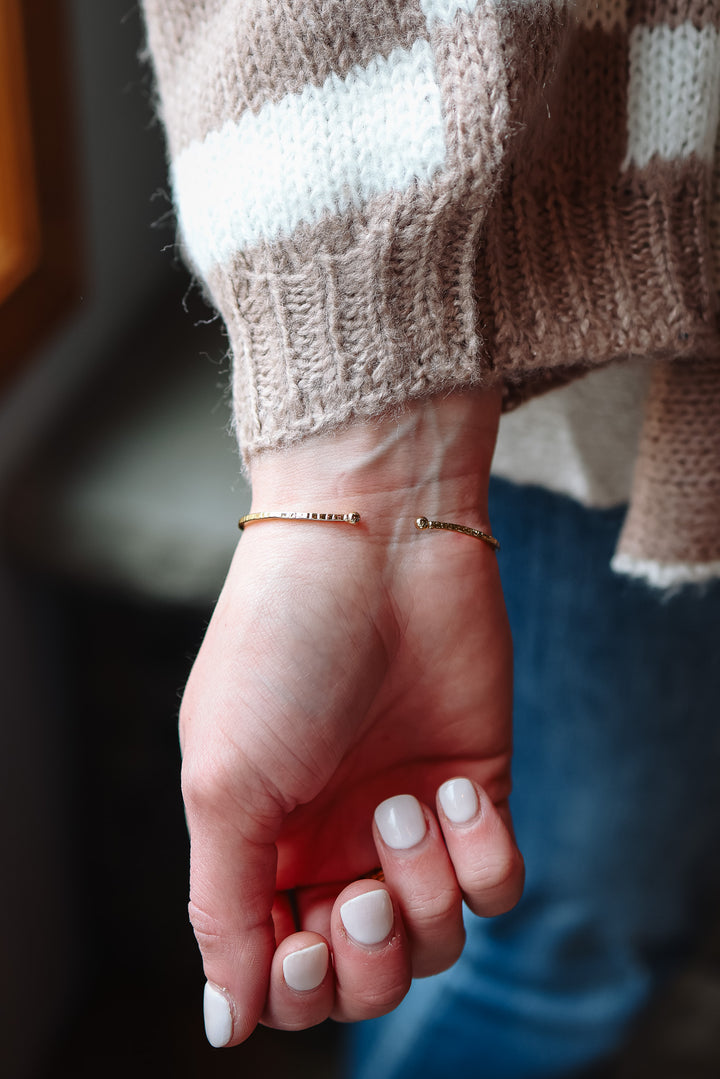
x=306 y=968
x=368 y=918
x=459 y=800
x=401 y=821
x=218 y=1017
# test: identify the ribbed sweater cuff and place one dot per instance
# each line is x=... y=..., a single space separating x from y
x=363 y=315
x=323 y=333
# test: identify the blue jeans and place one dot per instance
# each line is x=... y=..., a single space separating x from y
x=616 y=805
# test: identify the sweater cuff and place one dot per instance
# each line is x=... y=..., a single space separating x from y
x=353 y=322
x=671 y=535
x=336 y=218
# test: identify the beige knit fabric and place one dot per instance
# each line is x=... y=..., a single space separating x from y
x=678 y=487
x=393 y=199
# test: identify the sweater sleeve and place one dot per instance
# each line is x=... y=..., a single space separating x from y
x=332 y=166
x=393 y=198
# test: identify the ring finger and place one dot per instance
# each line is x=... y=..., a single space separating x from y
x=422 y=879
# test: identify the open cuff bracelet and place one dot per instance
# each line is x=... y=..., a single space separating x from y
x=422 y=523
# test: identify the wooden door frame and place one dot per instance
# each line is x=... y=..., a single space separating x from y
x=41 y=224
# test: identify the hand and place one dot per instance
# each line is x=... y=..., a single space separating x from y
x=344 y=666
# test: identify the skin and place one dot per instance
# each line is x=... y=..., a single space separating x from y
x=345 y=665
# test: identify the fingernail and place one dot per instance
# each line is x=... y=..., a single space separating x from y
x=459 y=800
x=368 y=918
x=401 y=821
x=218 y=1017
x=306 y=968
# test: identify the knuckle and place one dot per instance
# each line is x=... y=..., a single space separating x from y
x=439 y=908
x=383 y=998
x=205 y=785
x=207 y=930
x=497 y=885
x=499 y=875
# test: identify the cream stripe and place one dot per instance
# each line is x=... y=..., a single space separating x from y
x=673 y=94
x=445 y=10
x=328 y=148
x=666 y=575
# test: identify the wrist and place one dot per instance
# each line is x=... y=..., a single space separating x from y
x=432 y=458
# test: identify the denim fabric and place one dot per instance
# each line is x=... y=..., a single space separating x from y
x=616 y=804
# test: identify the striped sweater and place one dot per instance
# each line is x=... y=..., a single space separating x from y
x=393 y=198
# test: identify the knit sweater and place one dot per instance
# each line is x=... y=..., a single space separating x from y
x=388 y=199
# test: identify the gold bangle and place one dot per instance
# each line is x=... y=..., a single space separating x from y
x=353 y=518
x=343 y=518
x=424 y=523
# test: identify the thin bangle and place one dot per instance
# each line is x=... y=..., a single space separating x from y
x=353 y=518
x=425 y=523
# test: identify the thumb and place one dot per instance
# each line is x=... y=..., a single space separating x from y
x=232 y=889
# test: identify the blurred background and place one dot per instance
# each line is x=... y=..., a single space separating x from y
x=119 y=491
x=120 y=488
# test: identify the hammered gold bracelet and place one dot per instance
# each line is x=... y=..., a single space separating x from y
x=424 y=523
x=353 y=518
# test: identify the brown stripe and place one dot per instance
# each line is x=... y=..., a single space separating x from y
x=247 y=54
x=534 y=40
x=674 y=13
x=631 y=13
x=715 y=217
